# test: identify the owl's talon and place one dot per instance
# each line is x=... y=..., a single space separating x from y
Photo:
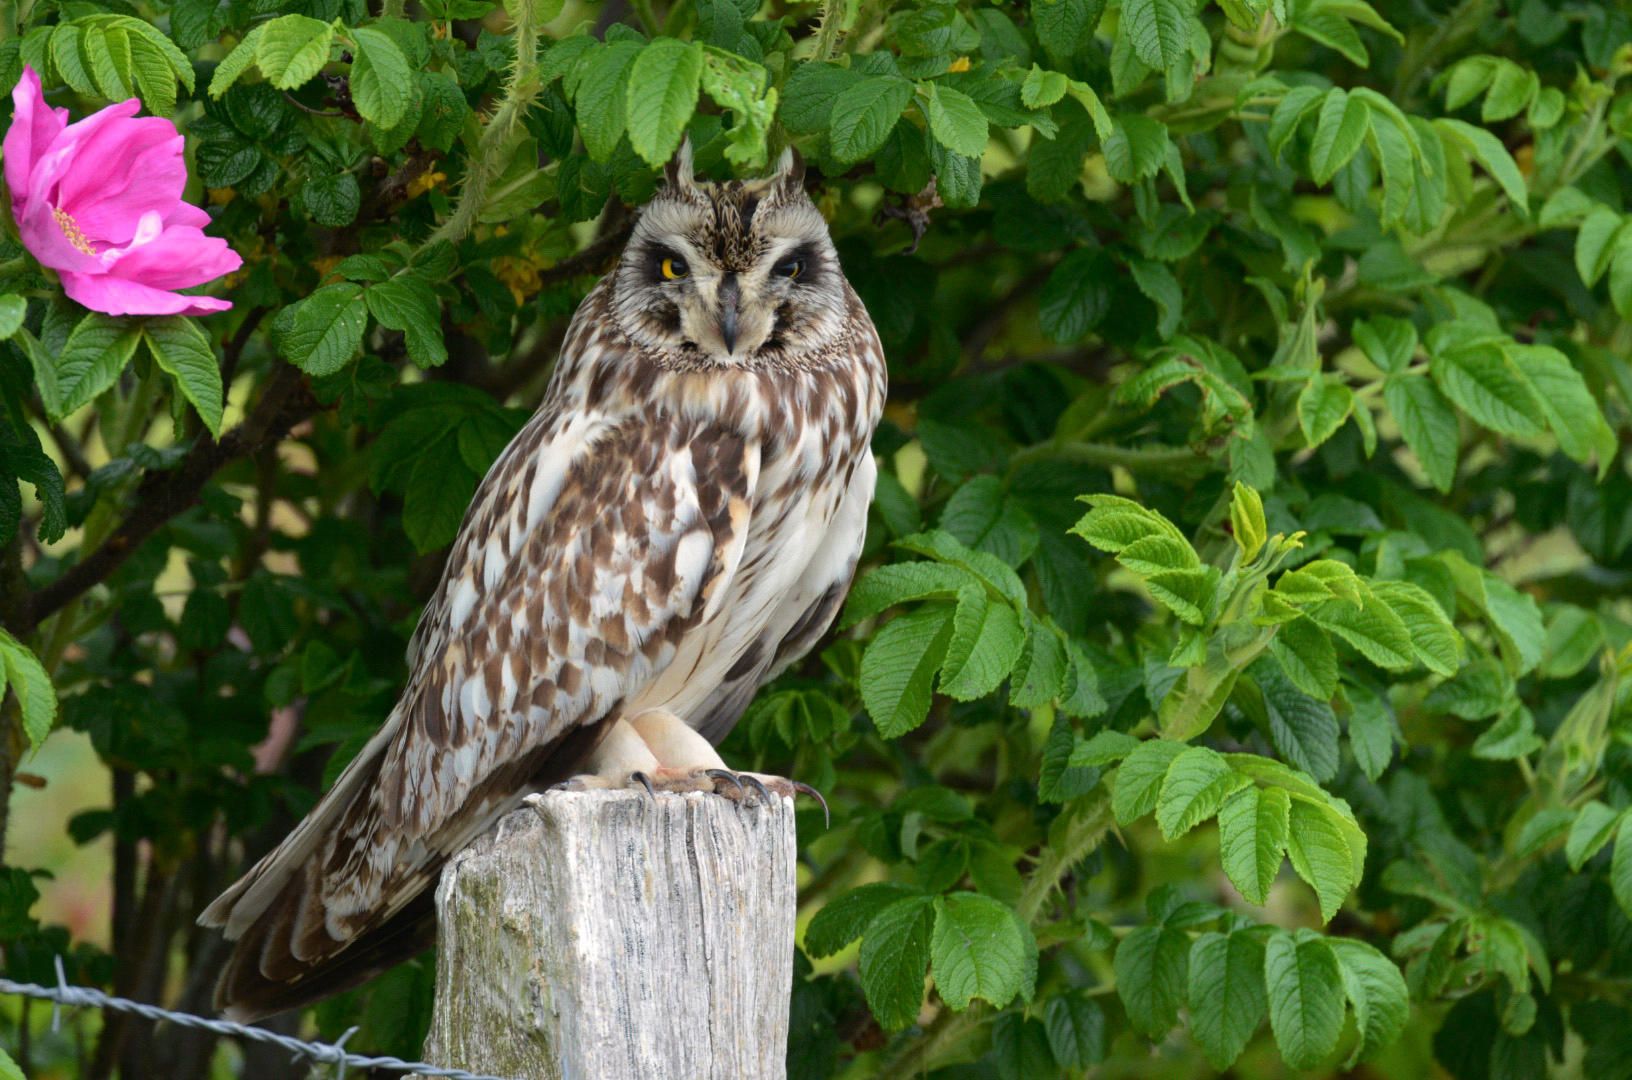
x=722 y=774
x=753 y=782
x=806 y=789
x=645 y=782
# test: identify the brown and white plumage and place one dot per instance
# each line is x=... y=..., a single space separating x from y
x=677 y=523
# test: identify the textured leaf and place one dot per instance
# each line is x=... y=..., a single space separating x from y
x=96 y=353
x=955 y=120
x=180 y=348
x=1307 y=656
x=32 y=686
x=977 y=950
x=1305 y=984
x=842 y=919
x=1152 y=970
x=898 y=668
x=1320 y=854
x=664 y=82
x=894 y=957
x=1159 y=29
x=1227 y=993
x=1077 y=1034
x=382 y=83
x=1139 y=780
x=1428 y=424
x=293 y=50
x=863 y=115
x=1377 y=991
x=1252 y=838
x=1591 y=830
x=1194 y=786
x=1341 y=127
x=327 y=329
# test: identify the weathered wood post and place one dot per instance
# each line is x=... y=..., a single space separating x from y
x=608 y=935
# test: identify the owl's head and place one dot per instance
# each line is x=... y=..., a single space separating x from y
x=739 y=273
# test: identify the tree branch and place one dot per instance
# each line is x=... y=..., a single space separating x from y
x=285 y=403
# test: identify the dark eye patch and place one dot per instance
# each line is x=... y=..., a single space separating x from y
x=809 y=258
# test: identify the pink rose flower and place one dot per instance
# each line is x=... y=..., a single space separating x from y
x=100 y=203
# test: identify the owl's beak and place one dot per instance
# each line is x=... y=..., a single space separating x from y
x=730 y=296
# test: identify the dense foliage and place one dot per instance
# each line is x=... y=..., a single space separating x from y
x=1321 y=306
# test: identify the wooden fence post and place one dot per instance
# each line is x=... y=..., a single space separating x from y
x=608 y=935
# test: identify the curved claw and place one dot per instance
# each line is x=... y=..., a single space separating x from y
x=721 y=774
x=753 y=782
x=806 y=789
x=645 y=782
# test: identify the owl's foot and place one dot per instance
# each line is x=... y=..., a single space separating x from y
x=742 y=783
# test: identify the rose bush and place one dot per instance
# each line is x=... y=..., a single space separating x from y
x=1300 y=748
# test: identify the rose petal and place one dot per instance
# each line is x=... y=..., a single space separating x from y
x=34 y=125
x=178 y=258
x=117 y=296
x=138 y=168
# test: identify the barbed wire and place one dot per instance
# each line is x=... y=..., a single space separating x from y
x=321 y=1053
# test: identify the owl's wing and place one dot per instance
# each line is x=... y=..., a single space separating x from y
x=590 y=550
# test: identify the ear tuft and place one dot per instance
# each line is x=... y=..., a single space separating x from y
x=789 y=177
x=677 y=173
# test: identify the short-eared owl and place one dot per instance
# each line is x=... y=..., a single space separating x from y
x=678 y=522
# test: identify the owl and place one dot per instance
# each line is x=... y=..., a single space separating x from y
x=678 y=522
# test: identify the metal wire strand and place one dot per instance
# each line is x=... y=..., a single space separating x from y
x=82 y=997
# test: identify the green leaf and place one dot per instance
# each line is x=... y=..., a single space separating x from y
x=32 y=686
x=899 y=583
x=1433 y=638
x=1077 y=295
x=1373 y=628
x=13 y=309
x=1105 y=748
x=237 y=61
x=977 y=950
x=1620 y=866
x=1511 y=88
x=809 y=94
x=1428 y=424
x=664 y=82
x=1139 y=779
x=1341 y=127
x=1042 y=88
x=1162 y=289
x=1571 y=410
x=1320 y=854
x=1488 y=150
x=894 y=957
x=1158 y=29
x=863 y=115
x=1303 y=728
x=1322 y=407
x=1595 y=243
x=293 y=49
x=1591 y=830
x=1307 y=656
x=407 y=303
x=898 y=668
x=1227 y=993
x=1388 y=342
x=1371 y=732
x=439 y=492
x=1252 y=839
x=1152 y=970
x=955 y=120
x=986 y=642
x=843 y=919
x=180 y=348
x=96 y=353
x=1077 y=1033
x=382 y=83
x=1483 y=379
x=1376 y=990
x=1137 y=147
x=1066 y=27
x=1192 y=789
x=600 y=102
x=332 y=200
x=1305 y=984
x=8 y=1068
x=327 y=329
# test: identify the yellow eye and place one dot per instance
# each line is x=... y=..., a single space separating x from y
x=674 y=269
x=792 y=268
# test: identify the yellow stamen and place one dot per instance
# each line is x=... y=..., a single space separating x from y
x=70 y=229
